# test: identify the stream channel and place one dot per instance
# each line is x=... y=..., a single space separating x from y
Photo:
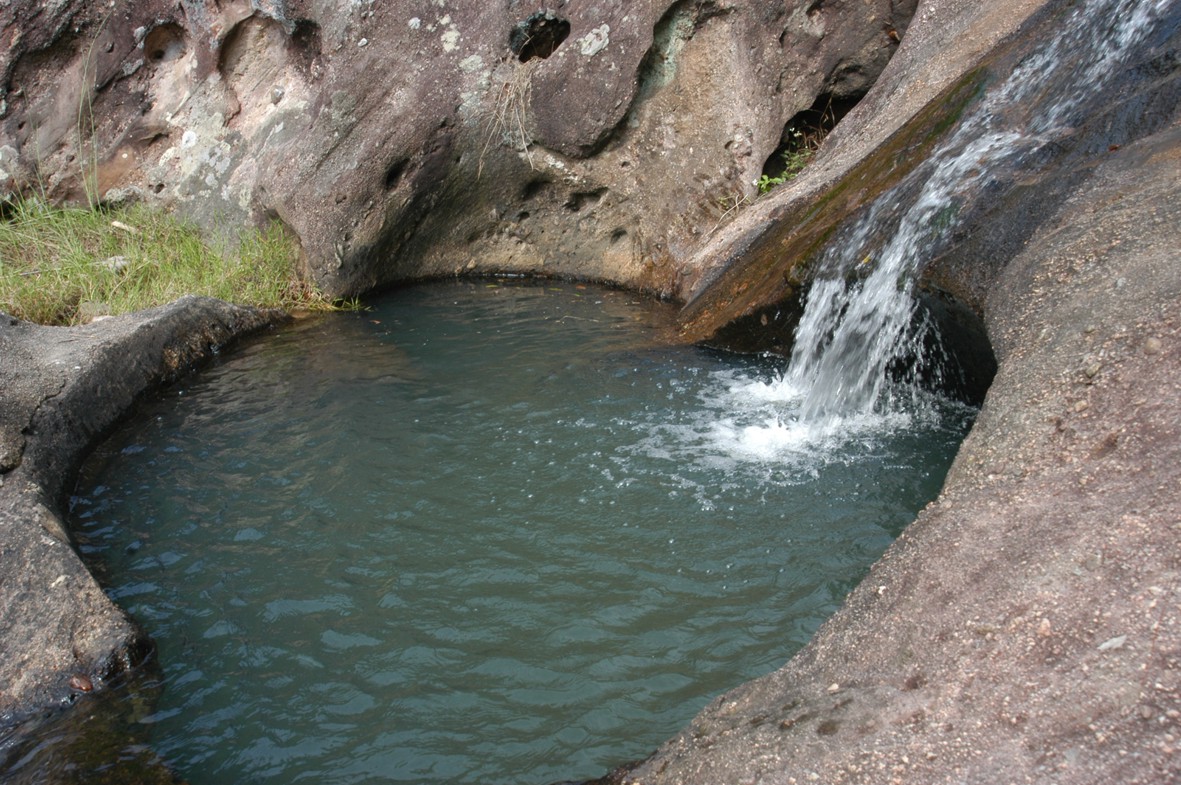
x=483 y=532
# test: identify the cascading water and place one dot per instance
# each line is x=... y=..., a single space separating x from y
x=852 y=332
x=860 y=315
x=488 y=537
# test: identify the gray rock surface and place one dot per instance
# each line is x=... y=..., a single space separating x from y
x=1024 y=629
x=62 y=388
x=399 y=139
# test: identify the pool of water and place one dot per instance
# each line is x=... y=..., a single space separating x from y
x=481 y=533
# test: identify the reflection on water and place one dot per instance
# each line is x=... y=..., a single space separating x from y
x=481 y=534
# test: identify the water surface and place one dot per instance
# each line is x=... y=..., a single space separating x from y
x=481 y=533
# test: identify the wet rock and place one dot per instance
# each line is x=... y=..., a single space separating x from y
x=1020 y=596
x=62 y=388
x=81 y=683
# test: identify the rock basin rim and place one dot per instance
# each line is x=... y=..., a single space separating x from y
x=1023 y=629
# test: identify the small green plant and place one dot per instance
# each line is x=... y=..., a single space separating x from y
x=64 y=265
x=796 y=155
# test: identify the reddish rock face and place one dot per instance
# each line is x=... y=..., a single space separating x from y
x=593 y=138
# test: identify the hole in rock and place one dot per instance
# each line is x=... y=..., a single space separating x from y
x=393 y=175
x=538 y=36
x=533 y=188
x=305 y=43
x=581 y=199
x=804 y=133
x=164 y=43
x=956 y=358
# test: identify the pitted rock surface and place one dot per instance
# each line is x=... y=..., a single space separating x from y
x=398 y=140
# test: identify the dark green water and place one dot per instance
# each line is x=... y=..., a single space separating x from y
x=481 y=533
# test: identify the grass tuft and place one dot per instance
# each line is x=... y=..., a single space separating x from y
x=66 y=265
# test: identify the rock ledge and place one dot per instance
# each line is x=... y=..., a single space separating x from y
x=63 y=388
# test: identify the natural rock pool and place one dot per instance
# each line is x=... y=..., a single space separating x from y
x=481 y=533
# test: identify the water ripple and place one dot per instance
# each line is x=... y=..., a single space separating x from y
x=514 y=540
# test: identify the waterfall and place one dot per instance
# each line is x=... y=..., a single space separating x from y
x=860 y=312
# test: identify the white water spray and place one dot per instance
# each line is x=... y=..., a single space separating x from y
x=843 y=384
x=860 y=311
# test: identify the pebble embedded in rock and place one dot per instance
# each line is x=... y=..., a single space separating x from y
x=1114 y=643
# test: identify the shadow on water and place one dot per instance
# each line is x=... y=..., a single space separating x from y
x=102 y=739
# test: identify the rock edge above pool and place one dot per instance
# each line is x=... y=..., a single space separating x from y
x=1027 y=626
x=62 y=389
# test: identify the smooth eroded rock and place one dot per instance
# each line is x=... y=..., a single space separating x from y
x=62 y=388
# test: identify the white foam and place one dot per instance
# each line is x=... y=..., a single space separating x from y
x=740 y=419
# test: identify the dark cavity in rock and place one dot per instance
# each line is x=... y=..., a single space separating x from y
x=538 y=36
x=956 y=357
x=393 y=175
x=804 y=132
x=165 y=43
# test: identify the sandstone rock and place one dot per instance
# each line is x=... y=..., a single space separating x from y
x=607 y=155
x=62 y=388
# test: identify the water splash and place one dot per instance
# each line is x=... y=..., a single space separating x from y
x=860 y=320
x=852 y=331
x=745 y=416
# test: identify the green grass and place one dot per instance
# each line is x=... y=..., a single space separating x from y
x=64 y=265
